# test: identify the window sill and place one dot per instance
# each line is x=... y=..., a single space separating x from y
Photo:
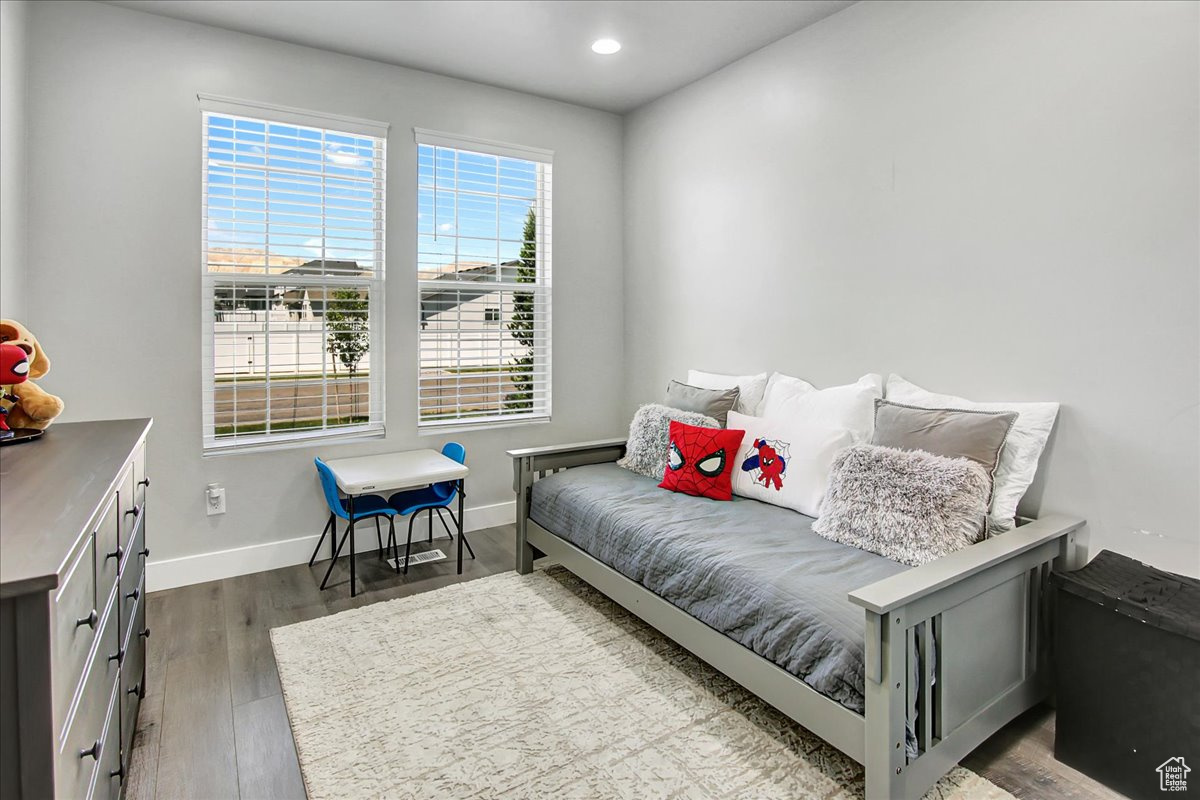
x=439 y=428
x=293 y=443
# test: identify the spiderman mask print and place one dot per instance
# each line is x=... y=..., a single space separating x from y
x=700 y=461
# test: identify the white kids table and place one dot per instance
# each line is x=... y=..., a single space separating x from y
x=391 y=472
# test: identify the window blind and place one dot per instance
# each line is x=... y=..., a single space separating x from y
x=293 y=272
x=484 y=242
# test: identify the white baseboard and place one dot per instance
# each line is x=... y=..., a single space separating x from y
x=173 y=572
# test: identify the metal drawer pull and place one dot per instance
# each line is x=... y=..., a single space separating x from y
x=120 y=551
x=144 y=633
x=145 y=552
x=135 y=689
x=135 y=511
x=145 y=482
x=118 y=656
x=93 y=751
x=119 y=773
x=133 y=595
x=90 y=620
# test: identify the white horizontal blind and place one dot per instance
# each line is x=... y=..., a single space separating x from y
x=293 y=271
x=484 y=235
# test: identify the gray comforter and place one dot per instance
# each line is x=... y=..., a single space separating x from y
x=753 y=571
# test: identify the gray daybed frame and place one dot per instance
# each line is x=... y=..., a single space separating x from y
x=986 y=606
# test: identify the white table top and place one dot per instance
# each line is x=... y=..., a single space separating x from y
x=391 y=471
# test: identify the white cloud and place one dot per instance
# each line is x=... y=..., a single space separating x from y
x=345 y=156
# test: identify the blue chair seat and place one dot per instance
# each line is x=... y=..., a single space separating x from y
x=435 y=497
x=368 y=505
x=365 y=506
x=405 y=503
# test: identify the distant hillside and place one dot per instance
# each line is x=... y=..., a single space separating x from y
x=225 y=259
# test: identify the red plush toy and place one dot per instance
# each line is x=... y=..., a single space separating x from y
x=700 y=461
x=14 y=368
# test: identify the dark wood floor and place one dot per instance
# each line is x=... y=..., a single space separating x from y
x=213 y=724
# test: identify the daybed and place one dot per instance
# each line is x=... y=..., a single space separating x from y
x=830 y=635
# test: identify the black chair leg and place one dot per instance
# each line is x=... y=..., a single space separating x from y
x=393 y=550
x=379 y=537
x=466 y=541
x=408 y=546
x=337 y=550
x=442 y=519
x=324 y=532
x=431 y=526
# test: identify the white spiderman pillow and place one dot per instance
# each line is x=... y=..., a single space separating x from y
x=786 y=462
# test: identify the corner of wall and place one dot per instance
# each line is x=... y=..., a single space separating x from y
x=14 y=80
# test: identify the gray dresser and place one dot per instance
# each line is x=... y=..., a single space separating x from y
x=72 y=608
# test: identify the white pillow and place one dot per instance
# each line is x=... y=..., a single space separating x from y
x=750 y=387
x=1022 y=449
x=850 y=407
x=801 y=453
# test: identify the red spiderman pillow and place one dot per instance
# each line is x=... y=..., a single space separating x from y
x=700 y=461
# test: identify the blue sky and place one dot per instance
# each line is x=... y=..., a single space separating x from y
x=240 y=194
x=494 y=195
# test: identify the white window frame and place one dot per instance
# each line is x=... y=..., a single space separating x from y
x=543 y=285
x=375 y=284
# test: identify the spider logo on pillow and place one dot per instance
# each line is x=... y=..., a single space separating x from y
x=697 y=459
x=768 y=463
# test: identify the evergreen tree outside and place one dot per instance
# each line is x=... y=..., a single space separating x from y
x=521 y=326
x=349 y=336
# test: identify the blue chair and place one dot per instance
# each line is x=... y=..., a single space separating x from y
x=365 y=506
x=432 y=498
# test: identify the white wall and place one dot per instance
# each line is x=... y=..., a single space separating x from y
x=14 y=31
x=998 y=200
x=114 y=148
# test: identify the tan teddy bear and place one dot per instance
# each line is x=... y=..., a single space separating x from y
x=34 y=408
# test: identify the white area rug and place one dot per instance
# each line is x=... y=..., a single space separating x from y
x=537 y=687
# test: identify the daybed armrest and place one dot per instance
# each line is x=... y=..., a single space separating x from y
x=530 y=460
x=578 y=447
x=905 y=588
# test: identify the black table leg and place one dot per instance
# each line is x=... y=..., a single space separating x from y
x=351 y=504
x=460 y=524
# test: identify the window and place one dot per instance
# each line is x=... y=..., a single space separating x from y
x=483 y=280
x=293 y=271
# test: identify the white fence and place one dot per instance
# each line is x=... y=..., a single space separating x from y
x=248 y=348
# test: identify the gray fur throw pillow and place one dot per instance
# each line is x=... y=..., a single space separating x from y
x=906 y=505
x=650 y=436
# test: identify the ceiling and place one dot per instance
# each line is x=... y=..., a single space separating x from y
x=538 y=46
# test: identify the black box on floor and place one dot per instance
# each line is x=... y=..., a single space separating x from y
x=1127 y=675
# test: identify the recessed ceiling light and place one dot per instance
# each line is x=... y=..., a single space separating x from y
x=605 y=47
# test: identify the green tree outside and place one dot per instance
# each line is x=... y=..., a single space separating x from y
x=349 y=336
x=521 y=326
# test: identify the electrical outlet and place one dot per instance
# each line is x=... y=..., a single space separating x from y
x=215 y=497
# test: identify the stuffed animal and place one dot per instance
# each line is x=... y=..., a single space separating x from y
x=14 y=369
x=34 y=407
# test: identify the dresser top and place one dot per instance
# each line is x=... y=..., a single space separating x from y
x=50 y=489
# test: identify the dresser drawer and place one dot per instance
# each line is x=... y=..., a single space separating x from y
x=83 y=745
x=133 y=582
x=107 y=549
x=110 y=772
x=133 y=676
x=131 y=511
x=75 y=618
